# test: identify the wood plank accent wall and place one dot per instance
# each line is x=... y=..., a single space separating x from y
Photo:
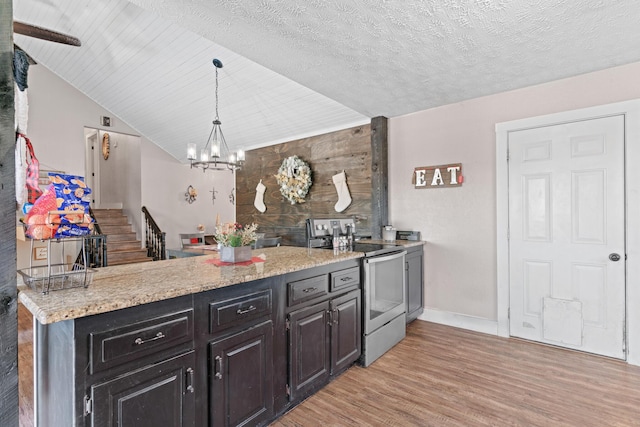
x=8 y=290
x=349 y=150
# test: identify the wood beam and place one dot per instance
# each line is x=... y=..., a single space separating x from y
x=379 y=176
x=8 y=291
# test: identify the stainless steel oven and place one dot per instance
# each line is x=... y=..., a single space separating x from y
x=384 y=302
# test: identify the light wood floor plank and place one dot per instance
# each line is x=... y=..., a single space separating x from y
x=443 y=376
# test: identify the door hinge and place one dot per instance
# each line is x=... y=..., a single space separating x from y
x=288 y=324
x=624 y=338
x=288 y=391
x=509 y=313
x=88 y=405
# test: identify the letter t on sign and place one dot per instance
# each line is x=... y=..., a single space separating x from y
x=438 y=176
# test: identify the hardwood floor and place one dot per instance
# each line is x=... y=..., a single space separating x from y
x=443 y=376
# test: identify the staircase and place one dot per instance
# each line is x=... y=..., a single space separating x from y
x=122 y=245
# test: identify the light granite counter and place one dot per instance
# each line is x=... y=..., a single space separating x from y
x=130 y=285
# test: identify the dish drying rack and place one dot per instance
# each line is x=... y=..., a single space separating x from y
x=58 y=276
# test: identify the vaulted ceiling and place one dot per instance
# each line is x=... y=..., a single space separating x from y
x=301 y=68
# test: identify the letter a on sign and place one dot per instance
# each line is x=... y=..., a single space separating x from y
x=438 y=176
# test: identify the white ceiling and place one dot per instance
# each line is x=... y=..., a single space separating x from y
x=299 y=68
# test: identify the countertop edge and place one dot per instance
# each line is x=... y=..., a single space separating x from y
x=95 y=299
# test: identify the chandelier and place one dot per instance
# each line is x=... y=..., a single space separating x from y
x=215 y=155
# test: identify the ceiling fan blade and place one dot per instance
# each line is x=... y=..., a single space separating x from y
x=44 y=34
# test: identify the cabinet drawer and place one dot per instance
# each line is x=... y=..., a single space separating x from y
x=306 y=289
x=235 y=311
x=124 y=344
x=344 y=279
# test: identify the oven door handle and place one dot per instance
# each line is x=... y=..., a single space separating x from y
x=385 y=257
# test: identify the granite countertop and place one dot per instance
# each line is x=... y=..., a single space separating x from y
x=130 y=285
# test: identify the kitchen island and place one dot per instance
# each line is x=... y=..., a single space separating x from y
x=187 y=343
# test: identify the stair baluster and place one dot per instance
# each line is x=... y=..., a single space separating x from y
x=155 y=238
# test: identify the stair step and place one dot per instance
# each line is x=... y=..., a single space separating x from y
x=113 y=256
x=121 y=237
x=122 y=245
x=107 y=212
x=115 y=229
x=115 y=220
x=129 y=261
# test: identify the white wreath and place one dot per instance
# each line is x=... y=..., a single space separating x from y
x=294 y=178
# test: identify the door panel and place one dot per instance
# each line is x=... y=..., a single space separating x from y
x=566 y=215
x=153 y=396
x=241 y=378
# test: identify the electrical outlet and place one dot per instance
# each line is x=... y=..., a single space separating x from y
x=40 y=253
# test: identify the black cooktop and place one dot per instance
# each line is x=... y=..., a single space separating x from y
x=373 y=249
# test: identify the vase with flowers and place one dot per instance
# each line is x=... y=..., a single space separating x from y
x=234 y=241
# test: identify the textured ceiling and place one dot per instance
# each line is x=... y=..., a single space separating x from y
x=295 y=68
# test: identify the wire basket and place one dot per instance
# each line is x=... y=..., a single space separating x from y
x=56 y=277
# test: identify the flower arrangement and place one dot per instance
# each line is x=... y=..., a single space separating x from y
x=235 y=235
x=294 y=178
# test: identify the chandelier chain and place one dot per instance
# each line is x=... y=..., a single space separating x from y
x=217 y=117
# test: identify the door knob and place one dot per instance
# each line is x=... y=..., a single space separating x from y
x=614 y=257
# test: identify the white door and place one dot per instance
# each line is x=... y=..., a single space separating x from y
x=566 y=225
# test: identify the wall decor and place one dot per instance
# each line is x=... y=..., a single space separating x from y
x=438 y=176
x=191 y=194
x=294 y=179
x=344 y=197
x=259 y=200
x=232 y=196
x=213 y=195
x=106 y=146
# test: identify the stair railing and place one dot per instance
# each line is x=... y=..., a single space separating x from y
x=95 y=247
x=155 y=239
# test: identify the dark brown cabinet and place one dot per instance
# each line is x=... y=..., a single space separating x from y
x=240 y=377
x=324 y=339
x=161 y=394
x=346 y=331
x=414 y=282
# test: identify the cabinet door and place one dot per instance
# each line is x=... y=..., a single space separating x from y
x=240 y=377
x=414 y=285
x=309 y=348
x=346 y=338
x=157 y=395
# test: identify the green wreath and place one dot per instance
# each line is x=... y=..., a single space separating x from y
x=294 y=179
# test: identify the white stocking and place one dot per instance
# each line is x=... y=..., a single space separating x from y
x=259 y=201
x=344 y=198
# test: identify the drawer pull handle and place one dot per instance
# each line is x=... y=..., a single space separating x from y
x=248 y=310
x=218 y=374
x=307 y=290
x=190 y=380
x=346 y=279
x=140 y=341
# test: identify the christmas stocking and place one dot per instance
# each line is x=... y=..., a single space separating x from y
x=259 y=201
x=344 y=198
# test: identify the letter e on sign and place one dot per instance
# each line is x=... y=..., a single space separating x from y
x=438 y=176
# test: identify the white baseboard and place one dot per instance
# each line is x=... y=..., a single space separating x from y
x=463 y=321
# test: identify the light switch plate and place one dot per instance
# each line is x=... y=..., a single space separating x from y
x=40 y=253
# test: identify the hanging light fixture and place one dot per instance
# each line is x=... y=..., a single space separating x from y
x=215 y=155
